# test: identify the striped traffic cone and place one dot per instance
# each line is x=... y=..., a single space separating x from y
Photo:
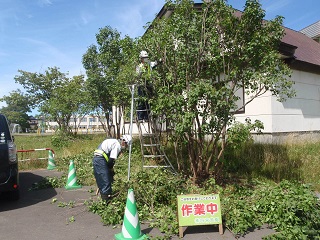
x=51 y=163
x=72 y=178
x=131 y=225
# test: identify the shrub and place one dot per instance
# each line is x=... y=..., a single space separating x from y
x=291 y=208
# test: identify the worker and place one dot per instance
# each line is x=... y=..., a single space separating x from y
x=103 y=161
x=144 y=88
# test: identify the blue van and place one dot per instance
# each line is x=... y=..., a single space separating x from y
x=9 y=174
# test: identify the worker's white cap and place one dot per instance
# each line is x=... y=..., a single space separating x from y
x=143 y=54
x=126 y=138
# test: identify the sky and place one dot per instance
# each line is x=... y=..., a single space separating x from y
x=37 y=34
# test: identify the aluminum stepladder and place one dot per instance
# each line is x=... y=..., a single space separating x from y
x=150 y=143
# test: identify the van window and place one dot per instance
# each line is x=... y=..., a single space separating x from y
x=4 y=130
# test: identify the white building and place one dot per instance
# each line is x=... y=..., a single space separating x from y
x=299 y=115
x=83 y=124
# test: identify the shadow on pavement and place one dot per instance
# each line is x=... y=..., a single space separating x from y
x=27 y=197
x=201 y=229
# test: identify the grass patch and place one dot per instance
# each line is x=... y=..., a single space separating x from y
x=298 y=162
x=39 y=159
x=268 y=189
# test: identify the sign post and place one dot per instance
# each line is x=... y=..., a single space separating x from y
x=199 y=210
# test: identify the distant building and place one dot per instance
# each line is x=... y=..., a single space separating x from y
x=312 y=31
x=33 y=122
x=80 y=124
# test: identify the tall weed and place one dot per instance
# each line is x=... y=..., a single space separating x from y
x=300 y=162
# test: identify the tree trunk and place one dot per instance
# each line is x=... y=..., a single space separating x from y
x=219 y=164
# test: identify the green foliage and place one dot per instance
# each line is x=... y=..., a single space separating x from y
x=64 y=204
x=47 y=182
x=289 y=207
x=56 y=95
x=18 y=105
x=207 y=58
x=240 y=133
x=60 y=141
x=111 y=214
x=107 y=75
x=71 y=219
x=156 y=200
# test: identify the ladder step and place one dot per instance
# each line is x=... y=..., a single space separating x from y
x=142 y=122
x=143 y=110
x=156 y=166
x=148 y=135
x=151 y=145
x=153 y=156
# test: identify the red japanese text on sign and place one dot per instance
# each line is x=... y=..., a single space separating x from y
x=199 y=209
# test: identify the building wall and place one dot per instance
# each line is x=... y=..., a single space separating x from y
x=301 y=113
x=259 y=109
x=296 y=116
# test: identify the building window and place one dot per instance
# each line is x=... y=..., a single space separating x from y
x=92 y=119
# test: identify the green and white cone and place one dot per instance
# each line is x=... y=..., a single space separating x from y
x=72 y=178
x=131 y=225
x=51 y=163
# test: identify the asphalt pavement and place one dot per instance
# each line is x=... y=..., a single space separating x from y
x=37 y=216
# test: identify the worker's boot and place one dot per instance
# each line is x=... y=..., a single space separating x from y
x=105 y=197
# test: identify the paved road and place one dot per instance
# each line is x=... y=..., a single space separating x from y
x=35 y=217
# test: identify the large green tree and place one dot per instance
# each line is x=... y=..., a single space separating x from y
x=56 y=95
x=208 y=56
x=17 y=109
x=104 y=63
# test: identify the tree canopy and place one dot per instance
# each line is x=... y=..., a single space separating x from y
x=55 y=94
x=208 y=56
x=107 y=77
x=17 y=109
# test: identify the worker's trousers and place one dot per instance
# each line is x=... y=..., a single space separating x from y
x=103 y=173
